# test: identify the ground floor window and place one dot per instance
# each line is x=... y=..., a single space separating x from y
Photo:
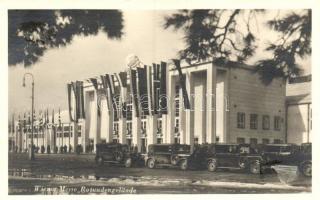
x=115 y=140
x=277 y=141
x=241 y=140
x=265 y=141
x=177 y=140
x=159 y=140
x=253 y=141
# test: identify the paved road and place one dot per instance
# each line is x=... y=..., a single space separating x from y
x=78 y=174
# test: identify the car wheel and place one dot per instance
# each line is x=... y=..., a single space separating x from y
x=128 y=162
x=255 y=167
x=306 y=169
x=184 y=165
x=151 y=164
x=212 y=165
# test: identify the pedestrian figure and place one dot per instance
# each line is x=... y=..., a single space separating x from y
x=42 y=149
x=61 y=149
x=65 y=148
x=48 y=149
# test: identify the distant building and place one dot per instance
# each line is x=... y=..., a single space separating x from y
x=299 y=110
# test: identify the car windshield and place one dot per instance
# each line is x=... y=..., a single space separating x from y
x=183 y=149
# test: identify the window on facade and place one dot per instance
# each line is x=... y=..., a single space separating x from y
x=159 y=140
x=241 y=140
x=129 y=128
x=143 y=126
x=277 y=141
x=177 y=107
x=241 y=120
x=265 y=141
x=266 y=122
x=177 y=91
x=79 y=134
x=253 y=121
x=253 y=141
x=115 y=128
x=176 y=140
x=129 y=112
x=159 y=126
x=129 y=142
x=176 y=126
x=277 y=123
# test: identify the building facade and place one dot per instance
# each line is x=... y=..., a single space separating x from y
x=228 y=104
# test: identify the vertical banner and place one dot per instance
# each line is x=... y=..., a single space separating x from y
x=105 y=89
x=70 y=91
x=111 y=86
x=122 y=80
x=163 y=89
x=182 y=83
x=94 y=82
x=143 y=89
x=134 y=92
x=155 y=88
x=150 y=90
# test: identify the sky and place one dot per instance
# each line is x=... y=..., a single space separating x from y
x=92 y=56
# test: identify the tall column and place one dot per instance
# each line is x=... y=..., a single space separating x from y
x=122 y=130
x=20 y=140
x=96 y=126
x=85 y=127
x=74 y=142
x=48 y=138
x=136 y=130
x=182 y=119
x=52 y=138
x=190 y=112
x=211 y=104
x=169 y=133
x=151 y=130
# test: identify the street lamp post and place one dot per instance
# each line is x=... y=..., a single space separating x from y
x=31 y=150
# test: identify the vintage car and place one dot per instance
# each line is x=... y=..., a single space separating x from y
x=118 y=154
x=288 y=154
x=167 y=155
x=226 y=156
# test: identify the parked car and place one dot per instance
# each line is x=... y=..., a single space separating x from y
x=230 y=156
x=167 y=155
x=118 y=154
x=288 y=154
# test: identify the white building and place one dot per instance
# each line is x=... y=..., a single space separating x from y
x=228 y=104
x=299 y=110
